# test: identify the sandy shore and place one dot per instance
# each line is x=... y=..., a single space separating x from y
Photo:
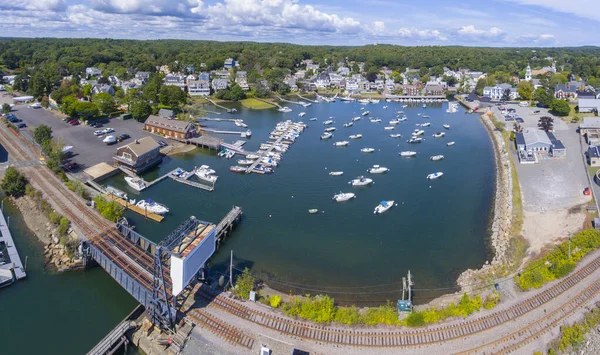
x=541 y=229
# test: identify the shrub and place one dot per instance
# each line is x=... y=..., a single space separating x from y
x=63 y=226
x=54 y=217
x=275 y=301
x=29 y=190
x=571 y=336
x=319 y=309
x=244 y=284
x=14 y=183
x=381 y=315
x=348 y=315
x=110 y=210
x=491 y=300
x=415 y=319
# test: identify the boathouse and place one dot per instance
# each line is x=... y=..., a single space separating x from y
x=170 y=128
x=138 y=155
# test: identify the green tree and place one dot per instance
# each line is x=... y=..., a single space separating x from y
x=557 y=79
x=13 y=183
x=87 y=91
x=5 y=108
x=140 y=109
x=172 y=96
x=525 y=90
x=543 y=96
x=110 y=210
x=480 y=85
x=105 y=102
x=560 y=107
x=244 y=284
x=546 y=123
x=42 y=134
x=506 y=95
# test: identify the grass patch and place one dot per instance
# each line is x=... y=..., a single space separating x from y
x=255 y=104
x=571 y=336
x=466 y=306
x=556 y=263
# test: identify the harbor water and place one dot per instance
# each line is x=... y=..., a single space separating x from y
x=438 y=229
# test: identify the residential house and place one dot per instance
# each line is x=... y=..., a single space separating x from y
x=322 y=81
x=568 y=90
x=433 y=88
x=241 y=80
x=163 y=69
x=176 y=79
x=345 y=71
x=364 y=85
x=586 y=94
x=128 y=85
x=190 y=69
x=142 y=77
x=593 y=156
x=204 y=76
x=300 y=74
x=99 y=88
x=589 y=125
x=390 y=85
x=114 y=80
x=335 y=79
x=497 y=92
x=229 y=63
x=589 y=104
x=190 y=77
x=139 y=155
x=91 y=71
x=170 y=128
x=220 y=84
x=313 y=67
x=198 y=87
x=223 y=74
x=352 y=86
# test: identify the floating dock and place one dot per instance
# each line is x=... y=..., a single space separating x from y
x=11 y=267
x=134 y=208
x=185 y=180
x=212 y=130
x=288 y=101
x=236 y=148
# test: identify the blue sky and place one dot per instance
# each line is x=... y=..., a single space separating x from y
x=338 y=22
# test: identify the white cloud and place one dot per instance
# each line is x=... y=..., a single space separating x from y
x=33 y=5
x=471 y=31
x=582 y=8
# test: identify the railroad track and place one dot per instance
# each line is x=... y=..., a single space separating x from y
x=220 y=328
x=403 y=337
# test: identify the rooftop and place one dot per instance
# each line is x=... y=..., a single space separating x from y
x=142 y=145
x=532 y=136
x=590 y=122
x=170 y=124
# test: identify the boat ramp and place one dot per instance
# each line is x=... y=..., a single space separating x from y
x=11 y=267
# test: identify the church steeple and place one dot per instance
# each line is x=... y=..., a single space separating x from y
x=528 y=73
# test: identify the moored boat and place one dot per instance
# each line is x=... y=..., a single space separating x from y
x=439 y=135
x=361 y=181
x=365 y=113
x=408 y=153
x=152 y=206
x=383 y=206
x=450 y=143
x=326 y=135
x=418 y=132
x=245 y=162
x=328 y=122
x=389 y=128
x=367 y=150
x=349 y=124
x=336 y=173
x=355 y=136
x=237 y=169
x=136 y=183
x=426 y=124
x=341 y=143
x=313 y=211
x=376 y=169
x=446 y=126
x=415 y=140
x=329 y=129
x=436 y=157
x=341 y=197
x=313 y=119
x=375 y=120
x=395 y=135
x=116 y=192
x=434 y=175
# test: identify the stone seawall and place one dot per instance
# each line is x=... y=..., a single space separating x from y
x=502 y=218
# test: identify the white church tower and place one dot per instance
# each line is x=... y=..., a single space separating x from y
x=528 y=73
x=553 y=66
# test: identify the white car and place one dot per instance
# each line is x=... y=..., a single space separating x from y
x=99 y=132
x=108 y=130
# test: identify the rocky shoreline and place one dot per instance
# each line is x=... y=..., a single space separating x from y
x=36 y=221
x=502 y=219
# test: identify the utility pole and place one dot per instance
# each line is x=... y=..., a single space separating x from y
x=410 y=283
x=403 y=288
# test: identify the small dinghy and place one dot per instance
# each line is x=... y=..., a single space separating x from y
x=436 y=157
x=349 y=124
x=329 y=129
x=336 y=173
x=367 y=150
x=375 y=120
x=313 y=211
x=355 y=136
x=434 y=175
x=426 y=124
x=450 y=143
x=389 y=128
x=446 y=126
x=395 y=135
x=341 y=143
x=408 y=153
x=414 y=140
x=439 y=135
x=313 y=119
x=326 y=135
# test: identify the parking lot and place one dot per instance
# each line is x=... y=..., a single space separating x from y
x=88 y=149
x=530 y=116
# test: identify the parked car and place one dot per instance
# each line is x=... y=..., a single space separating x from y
x=123 y=137
x=71 y=166
x=21 y=125
x=536 y=111
x=74 y=122
x=67 y=119
x=520 y=120
x=108 y=130
x=99 y=132
x=162 y=143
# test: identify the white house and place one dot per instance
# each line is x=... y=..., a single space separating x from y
x=175 y=80
x=198 y=88
x=497 y=92
x=220 y=84
x=91 y=71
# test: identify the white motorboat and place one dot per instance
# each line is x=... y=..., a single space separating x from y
x=365 y=113
x=389 y=128
x=383 y=206
x=347 y=98
x=240 y=123
x=341 y=143
x=436 y=157
x=336 y=173
x=361 y=181
x=116 y=192
x=446 y=126
x=355 y=136
x=439 y=135
x=418 y=132
x=357 y=118
x=376 y=169
x=419 y=114
x=326 y=135
x=426 y=124
x=329 y=129
x=384 y=107
x=395 y=121
x=434 y=175
x=207 y=169
x=136 y=183
x=404 y=106
x=206 y=176
x=349 y=124
x=252 y=156
x=404 y=118
x=301 y=114
x=450 y=143
x=425 y=116
x=367 y=150
x=373 y=101
x=341 y=197
x=237 y=169
x=408 y=153
x=415 y=140
x=375 y=120
x=424 y=105
x=230 y=154
x=269 y=162
x=245 y=162
x=285 y=109
x=152 y=206
x=328 y=122
x=395 y=135
x=313 y=119
x=364 y=101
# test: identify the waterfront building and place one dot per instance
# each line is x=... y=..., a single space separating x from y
x=139 y=155
x=170 y=128
x=198 y=88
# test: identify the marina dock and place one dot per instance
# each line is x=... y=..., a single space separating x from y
x=11 y=267
x=211 y=119
x=134 y=208
x=229 y=110
x=237 y=148
x=269 y=102
x=204 y=141
x=185 y=180
x=258 y=161
x=211 y=130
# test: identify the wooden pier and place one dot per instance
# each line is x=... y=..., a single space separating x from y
x=116 y=338
x=134 y=208
x=204 y=141
x=211 y=130
x=304 y=98
x=229 y=110
x=269 y=102
x=288 y=101
x=226 y=225
x=257 y=161
x=211 y=119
